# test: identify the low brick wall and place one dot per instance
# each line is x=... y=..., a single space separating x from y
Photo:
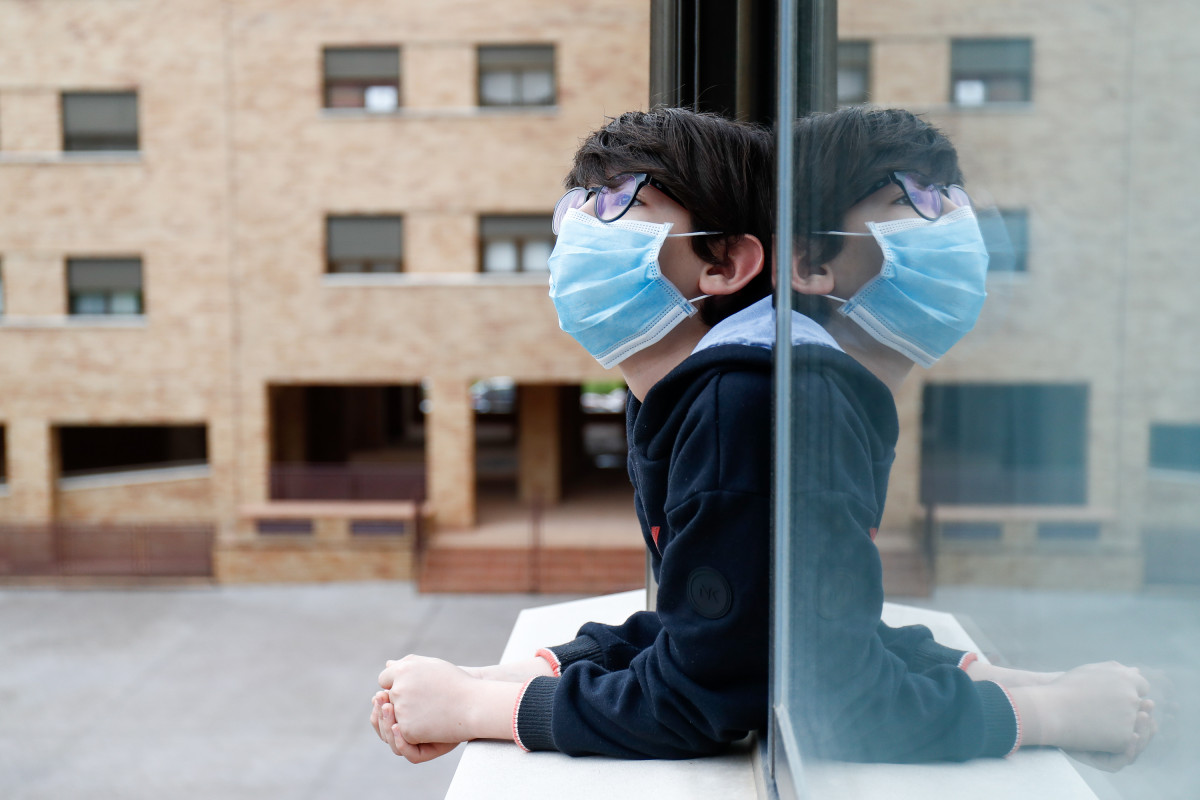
x=559 y=570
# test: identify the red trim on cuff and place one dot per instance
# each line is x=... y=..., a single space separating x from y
x=516 y=709
x=552 y=660
x=967 y=660
x=1017 y=714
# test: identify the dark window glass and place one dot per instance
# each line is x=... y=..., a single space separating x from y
x=1068 y=531
x=853 y=72
x=516 y=76
x=105 y=286
x=94 y=121
x=362 y=77
x=972 y=531
x=1175 y=447
x=116 y=448
x=515 y=243
x=365 y=244
x=3 y=454
x=990 y=71
x=1004 y=444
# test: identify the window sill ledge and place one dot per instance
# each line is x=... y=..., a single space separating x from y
x=447 y=112
x=78 y=158
x=500 y=770
x=67 y=321
x=360 y=279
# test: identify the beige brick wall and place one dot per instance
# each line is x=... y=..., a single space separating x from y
x=166 y=501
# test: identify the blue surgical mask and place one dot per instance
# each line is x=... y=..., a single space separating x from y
x=608 y=289
x=930 y=290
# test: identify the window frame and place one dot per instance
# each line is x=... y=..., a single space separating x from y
x=521 y=239
x=331 y=262
x=842 y=47
x=361 y=83
x=74 y=262
x=984 y=74
x=73 y=142
x=530 y=65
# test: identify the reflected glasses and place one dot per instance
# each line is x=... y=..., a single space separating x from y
x=923 y=195
x=611 y=201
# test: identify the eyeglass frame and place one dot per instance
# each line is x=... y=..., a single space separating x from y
x=942 y=189
x=641 y=179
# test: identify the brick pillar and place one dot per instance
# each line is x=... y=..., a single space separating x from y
x=32 y=469
x=539 y=455
x=450 y=452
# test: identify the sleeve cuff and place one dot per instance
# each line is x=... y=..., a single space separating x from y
x=583 y=648
x=555 y=665
x=1001 y=720
x=929 y=654
x=532 y=714
x=964 y=663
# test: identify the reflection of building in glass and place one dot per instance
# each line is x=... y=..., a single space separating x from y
x=257 y=256
x=1055 y=445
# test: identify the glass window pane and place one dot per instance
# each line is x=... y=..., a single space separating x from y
x=89 y=303
x=100 y=121
x=365 y=237
x=498 y=88
x=537 y=88
x=500 y=255
x=381 y=98
x=125 y=302
x=535 y=255
x=363 y=63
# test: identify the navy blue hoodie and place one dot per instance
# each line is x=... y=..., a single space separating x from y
x=691 y=676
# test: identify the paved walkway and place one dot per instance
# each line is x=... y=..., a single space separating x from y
x=263 y=692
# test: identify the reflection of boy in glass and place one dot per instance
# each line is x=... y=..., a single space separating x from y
x=889 y=259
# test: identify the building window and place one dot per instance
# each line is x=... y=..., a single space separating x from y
x=515 y=243
x=94 y=449
x=990 y=71
x=1016 y=444
x=98 y=121
x=516 y=76
x=365 y=244
x=1175 y=447
x=853 y=72
x=362 y=77
x=105 y=286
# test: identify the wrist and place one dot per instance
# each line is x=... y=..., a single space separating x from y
x=1035 y=709
x=489 y=709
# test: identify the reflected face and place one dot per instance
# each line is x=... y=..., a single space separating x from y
x=860 y=258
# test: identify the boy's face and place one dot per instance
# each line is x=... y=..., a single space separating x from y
x=677 y=259
x=860 y=258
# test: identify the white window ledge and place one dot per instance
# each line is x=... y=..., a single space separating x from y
x=105 y=480
x=353 y=279
x=500 y=770
x=73 y=321
x=448 y=112
x=89 y=157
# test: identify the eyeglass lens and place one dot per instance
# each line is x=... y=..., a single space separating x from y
x=573 y=199
x=612 y=202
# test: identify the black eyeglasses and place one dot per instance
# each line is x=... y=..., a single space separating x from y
x=611 y=201
x=923 y=195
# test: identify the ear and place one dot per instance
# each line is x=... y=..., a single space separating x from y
x=808 y=278
x=741 y=262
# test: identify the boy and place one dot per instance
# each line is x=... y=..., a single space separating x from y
x=678 y=216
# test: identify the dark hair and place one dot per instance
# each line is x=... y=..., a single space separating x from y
x=721 y=171
x=838 y=156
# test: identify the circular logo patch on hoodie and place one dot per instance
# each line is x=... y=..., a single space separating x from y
x=708 y=593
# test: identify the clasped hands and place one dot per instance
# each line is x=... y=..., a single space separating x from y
x=427 y=705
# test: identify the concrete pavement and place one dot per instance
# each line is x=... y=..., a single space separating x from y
x=263 y=692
